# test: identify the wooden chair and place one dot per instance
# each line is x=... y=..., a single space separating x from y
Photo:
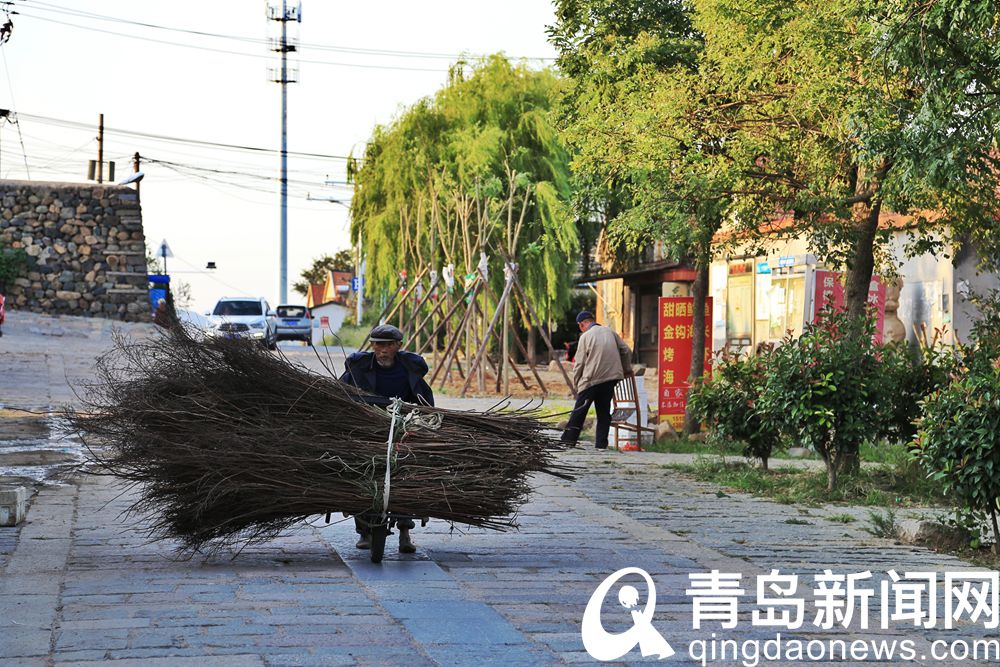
x=625 y=411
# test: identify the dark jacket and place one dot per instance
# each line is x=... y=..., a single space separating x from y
x=360 y=371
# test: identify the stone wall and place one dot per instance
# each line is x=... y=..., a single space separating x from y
x=86 y=249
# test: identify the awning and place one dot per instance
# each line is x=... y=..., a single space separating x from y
x=658 y=272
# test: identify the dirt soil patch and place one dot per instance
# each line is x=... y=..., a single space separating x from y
x=555 y=385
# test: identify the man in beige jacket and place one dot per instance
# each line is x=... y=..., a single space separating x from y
x=602 y=360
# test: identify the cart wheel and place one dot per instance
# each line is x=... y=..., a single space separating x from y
x=378 y=542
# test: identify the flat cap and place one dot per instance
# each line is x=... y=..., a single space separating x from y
x=385 y=333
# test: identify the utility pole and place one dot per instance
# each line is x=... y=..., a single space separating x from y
x=135 y=170
x=360 y=271
x=284 y=76
x=100 y=149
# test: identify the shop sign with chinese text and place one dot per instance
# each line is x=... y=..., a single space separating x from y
x=676 y=335
x=830 y=293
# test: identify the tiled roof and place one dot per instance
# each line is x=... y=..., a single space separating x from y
x=315 y=295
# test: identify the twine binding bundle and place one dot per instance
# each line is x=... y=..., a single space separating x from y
x=227 y=444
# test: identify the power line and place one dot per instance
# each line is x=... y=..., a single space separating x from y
x=227 y=172
x=54 y=158
x=228 y=52
x=212 y=276
x=193 y=142
x=7 y=117
x=218 y=178
x=45 y=6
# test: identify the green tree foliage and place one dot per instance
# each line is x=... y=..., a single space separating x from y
x=820 y=388
x=647 y=147
x=12 y=264
x=608 y=49
x=831 y=390
x=958 y=442
x=843 y=109
x=908 y=376
x=727 y=402
x=343 y=260
x=478 y=167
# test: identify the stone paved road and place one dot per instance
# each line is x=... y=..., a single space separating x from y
x=79 y=586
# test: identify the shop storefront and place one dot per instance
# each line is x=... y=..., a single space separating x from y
x=767 y=298
x=628 y=302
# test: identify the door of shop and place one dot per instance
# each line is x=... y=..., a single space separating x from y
x=646 y=323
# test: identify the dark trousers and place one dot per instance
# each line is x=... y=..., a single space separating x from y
x=600 y=396
x=364 y=521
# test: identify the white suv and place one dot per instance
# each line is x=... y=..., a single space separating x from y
x=242 y=317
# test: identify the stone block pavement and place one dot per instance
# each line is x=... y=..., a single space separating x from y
x=82 y=585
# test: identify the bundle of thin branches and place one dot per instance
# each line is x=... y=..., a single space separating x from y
x=228 y=444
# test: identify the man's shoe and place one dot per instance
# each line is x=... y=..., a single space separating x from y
x=365 y=542
x=406 y=545
x=600 y=446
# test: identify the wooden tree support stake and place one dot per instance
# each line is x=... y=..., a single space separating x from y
x=456 y=340
x=482 y=347
x=545 y=336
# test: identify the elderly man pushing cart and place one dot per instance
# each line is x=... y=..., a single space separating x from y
x=388 y=372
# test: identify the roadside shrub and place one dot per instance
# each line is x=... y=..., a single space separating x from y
x=959 y=433
x=728 y=403
x=820 y=388
x=959 y=441
x=12 y=263
x=984 y=349
x=907 y=376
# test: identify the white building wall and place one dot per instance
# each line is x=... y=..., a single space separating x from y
x=335 y=315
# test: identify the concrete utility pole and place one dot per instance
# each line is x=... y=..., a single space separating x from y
x=284 y=76
x=135 y=170
x=100 y=149
x=360 y=274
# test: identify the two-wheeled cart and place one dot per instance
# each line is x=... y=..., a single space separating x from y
x=380 y=527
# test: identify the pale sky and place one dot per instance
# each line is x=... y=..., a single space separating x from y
x=69 y=61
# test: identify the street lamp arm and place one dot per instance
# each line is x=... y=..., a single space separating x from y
x=332 y=200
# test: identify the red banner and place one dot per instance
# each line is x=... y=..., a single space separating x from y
x=676 y=334
x=829 y=292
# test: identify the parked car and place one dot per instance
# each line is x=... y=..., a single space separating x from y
x=242 y=317
x=294 y=323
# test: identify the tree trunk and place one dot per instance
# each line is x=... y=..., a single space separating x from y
x=699 y=290
x=849 y=462
x=829 y=457
x=862 y=265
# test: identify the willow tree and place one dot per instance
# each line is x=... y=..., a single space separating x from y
x=476 y=168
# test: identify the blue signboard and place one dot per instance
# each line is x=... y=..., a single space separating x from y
x=786 y=261
x=763 y=267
